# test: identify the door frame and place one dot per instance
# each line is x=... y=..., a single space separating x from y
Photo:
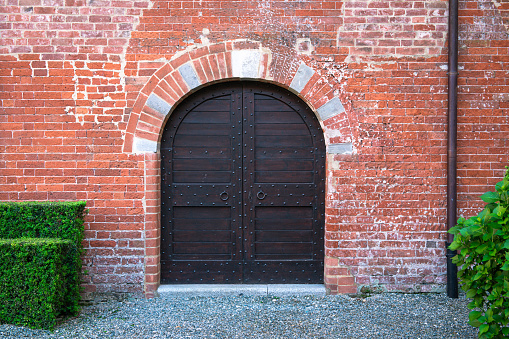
x=244 y=93
x=233 y=60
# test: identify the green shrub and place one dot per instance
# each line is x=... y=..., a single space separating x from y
x=31 y=284
x=483 y=261
x=62 y=220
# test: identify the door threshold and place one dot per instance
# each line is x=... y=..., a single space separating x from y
x=249 y=290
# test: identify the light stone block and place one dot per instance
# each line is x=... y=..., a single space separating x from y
x=246 y=63
x=330 y=108
x=141 y=145
x=302 y=77
x=189 y=75
x=247 y=289
x=158 y=104
x=344 y=148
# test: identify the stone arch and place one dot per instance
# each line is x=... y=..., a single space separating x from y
x=240 y=59
x=235 y=60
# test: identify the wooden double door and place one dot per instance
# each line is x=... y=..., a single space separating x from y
x=242 y=195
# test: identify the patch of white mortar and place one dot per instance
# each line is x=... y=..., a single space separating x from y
x=332 y=133
x=203 y=37
x=123 y=63
x=144 y=199
x=388 y=27
x=184 y=51
x=496 y=3
x=264 y=4
x=485 y=22
x=80 y=118
x=71 y=110
x=75 y=79
x=204 y=42
x=268 y=53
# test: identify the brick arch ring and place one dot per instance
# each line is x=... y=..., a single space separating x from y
x=231 y=61
x=192 y=70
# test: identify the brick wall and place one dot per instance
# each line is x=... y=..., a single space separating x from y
x=483 y=93
x=76 y=76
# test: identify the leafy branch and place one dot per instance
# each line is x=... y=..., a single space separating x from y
x=483 y=261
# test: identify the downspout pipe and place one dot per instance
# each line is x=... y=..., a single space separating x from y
x=452 y=270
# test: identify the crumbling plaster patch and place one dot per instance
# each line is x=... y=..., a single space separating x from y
x=386 y=30
x=503 y=7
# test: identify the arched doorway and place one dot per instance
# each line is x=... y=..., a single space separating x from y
x=242 y=188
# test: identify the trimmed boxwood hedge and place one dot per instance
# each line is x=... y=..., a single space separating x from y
x=32 y=287
x=62 y=220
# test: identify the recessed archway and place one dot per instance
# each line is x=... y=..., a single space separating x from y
x=242 y=188
x=195 y=69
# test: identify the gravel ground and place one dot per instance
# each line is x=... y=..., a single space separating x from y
x=385 y=315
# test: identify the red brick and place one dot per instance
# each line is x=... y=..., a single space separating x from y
x=346 y=289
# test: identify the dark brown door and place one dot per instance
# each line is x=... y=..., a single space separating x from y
x=243 y=167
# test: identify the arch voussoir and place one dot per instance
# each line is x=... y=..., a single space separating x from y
x=236 y=60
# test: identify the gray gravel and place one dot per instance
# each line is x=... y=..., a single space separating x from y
x=385 y=315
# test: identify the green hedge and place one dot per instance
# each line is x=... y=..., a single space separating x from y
x=32 y=287
x=62 y=220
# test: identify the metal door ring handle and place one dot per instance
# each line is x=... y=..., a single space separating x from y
x=261 y=195
x=223 y=196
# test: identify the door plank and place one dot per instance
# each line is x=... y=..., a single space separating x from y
x=284 y=176
x=221 y=116
x=296 y=248
x=284 y=141
x=294 y=152
x=201 y=236
x=187 y=152
x=202 y=248
x=283 y=129
x=204 y=129
x=201 y=224
x=283 y=224
x=209 y=140
x=284 y=236
x=208 y=164
x=201 y=176
x=277 y=117
x=281 y=212
x=284 y=164
x=206 y=213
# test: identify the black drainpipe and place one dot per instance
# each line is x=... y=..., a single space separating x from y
x=452 y=270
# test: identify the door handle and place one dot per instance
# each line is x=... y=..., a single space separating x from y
x=261 y=195
x=224 y=196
